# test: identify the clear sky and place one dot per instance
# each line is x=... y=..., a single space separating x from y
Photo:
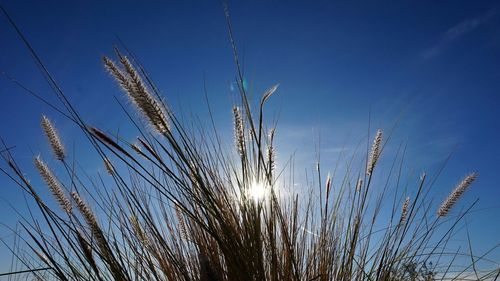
x=438 y=60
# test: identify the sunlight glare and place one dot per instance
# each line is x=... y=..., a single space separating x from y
x=257 y=191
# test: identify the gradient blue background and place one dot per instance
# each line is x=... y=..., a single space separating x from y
x=437 y=60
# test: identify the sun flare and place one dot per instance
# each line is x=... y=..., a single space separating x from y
x=257 y=191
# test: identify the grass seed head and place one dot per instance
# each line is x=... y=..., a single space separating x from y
x=375 y=153
x=131 y=82
x=456 y=194
x=404 y=210
x=53 y=137
x=239 y=130
x=53 y=184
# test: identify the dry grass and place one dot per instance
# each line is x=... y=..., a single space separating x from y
x=177 y=205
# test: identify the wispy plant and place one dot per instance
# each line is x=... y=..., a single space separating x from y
x=53 y=137
x=455 y=195
x=374 y=153
x=131 y=82
x=53 y=184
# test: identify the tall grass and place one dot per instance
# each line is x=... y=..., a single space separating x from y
x=177 y=204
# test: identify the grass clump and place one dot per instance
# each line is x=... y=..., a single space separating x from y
x=178 y=205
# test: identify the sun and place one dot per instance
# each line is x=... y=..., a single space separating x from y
x=257 y=191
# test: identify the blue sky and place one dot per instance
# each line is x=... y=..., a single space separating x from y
x=334 y=60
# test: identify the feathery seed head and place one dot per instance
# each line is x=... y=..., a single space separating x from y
x=84 y=209
x=404 y=210
x=53 y=184
x=456 y=194
x=239 y=130
x=131 y=82
x=271 y=153
x=119 y=76
x=181 y=222
x=137 y=228
x=270 y=157
x=91 y=221
x=152 y=109
x=53 y=137
x=375 y=153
